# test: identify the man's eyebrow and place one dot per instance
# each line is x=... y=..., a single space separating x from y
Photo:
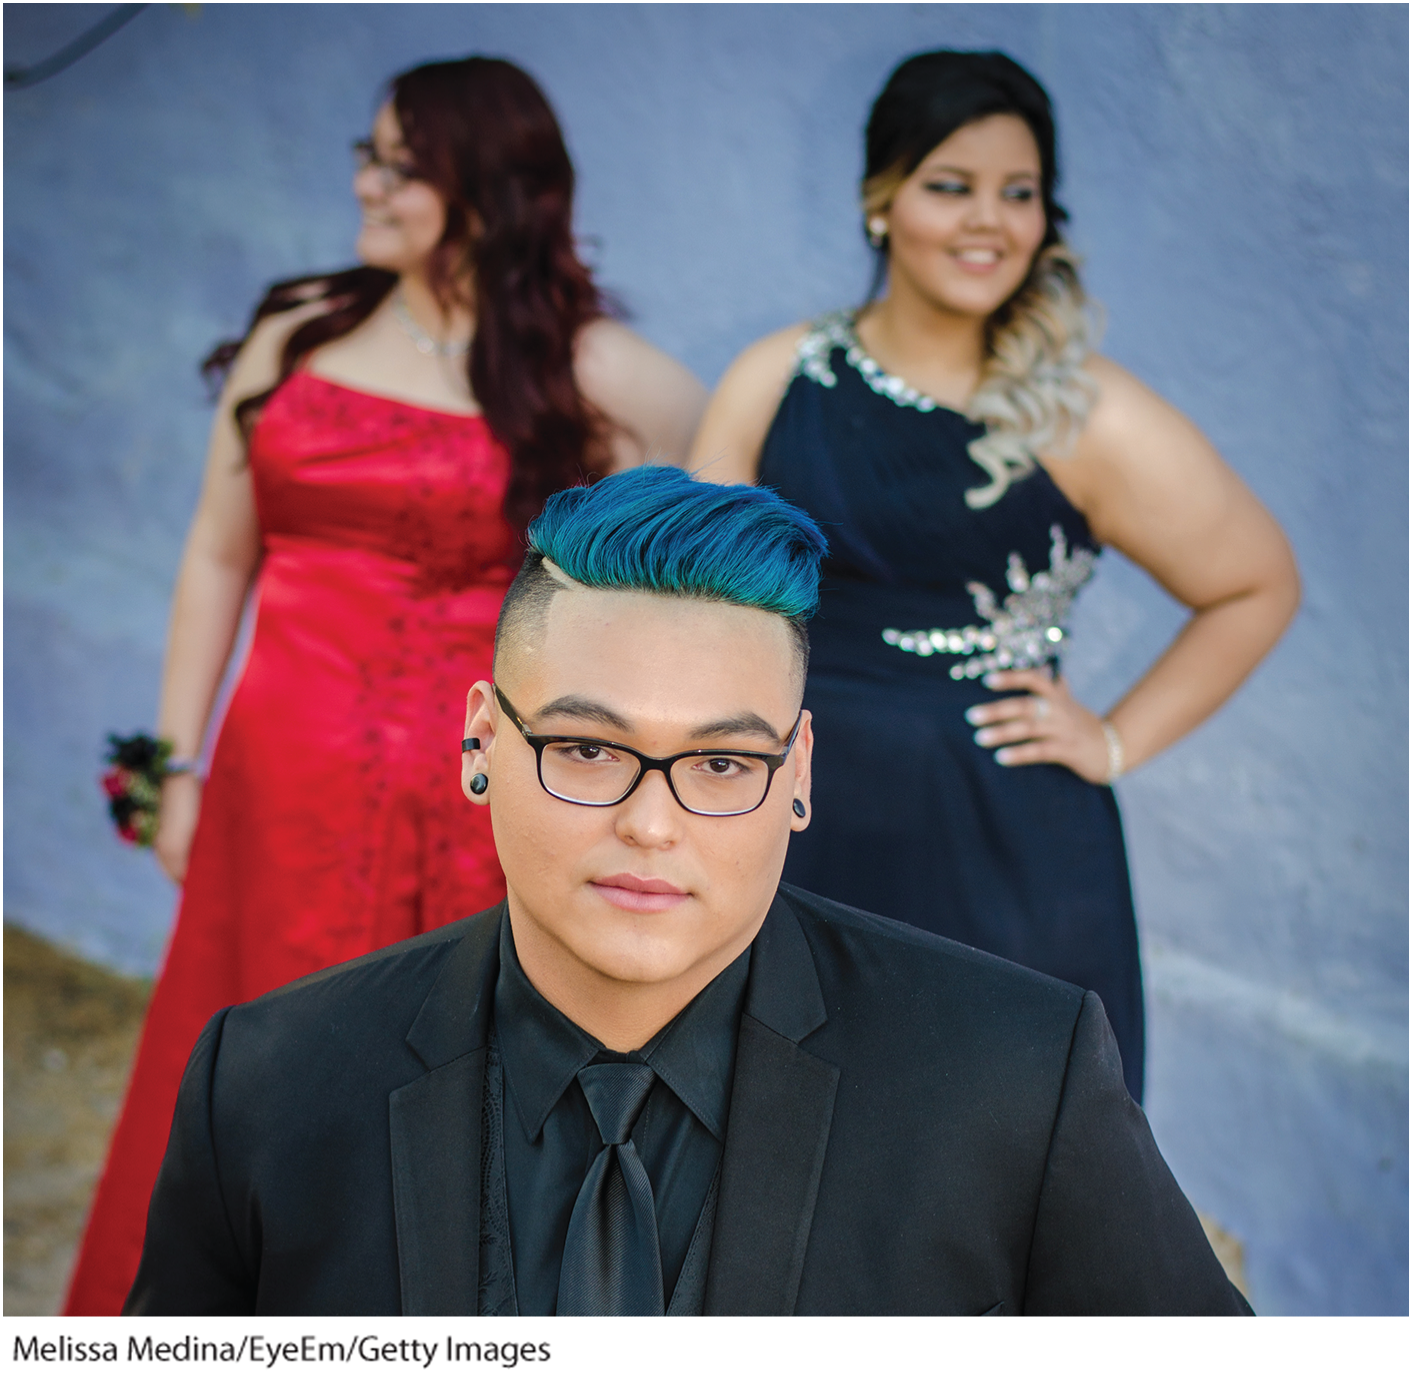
x=581 y=708
x=747 y=723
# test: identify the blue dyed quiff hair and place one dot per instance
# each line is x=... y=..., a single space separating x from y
x=658 y=530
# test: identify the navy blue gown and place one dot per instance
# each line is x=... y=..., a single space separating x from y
x=922 y=596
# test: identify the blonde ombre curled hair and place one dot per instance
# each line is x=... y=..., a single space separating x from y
x=1034 y=395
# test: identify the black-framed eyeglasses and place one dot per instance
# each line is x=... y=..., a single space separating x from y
x=394 y=175
x=599 y=772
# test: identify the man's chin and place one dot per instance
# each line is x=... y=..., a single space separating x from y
x=632 y=947
x=642 y=949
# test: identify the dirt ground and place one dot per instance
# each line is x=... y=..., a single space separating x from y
x=70 y=1032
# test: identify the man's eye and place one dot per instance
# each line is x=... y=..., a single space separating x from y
x=725 y=767
x=582 y=753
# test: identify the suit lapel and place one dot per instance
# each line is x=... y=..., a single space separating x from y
x=777 y=1132
x=435 y=1124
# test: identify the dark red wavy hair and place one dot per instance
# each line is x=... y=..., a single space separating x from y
x=482 y=133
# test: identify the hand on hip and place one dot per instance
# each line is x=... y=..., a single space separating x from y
x=1044 y=726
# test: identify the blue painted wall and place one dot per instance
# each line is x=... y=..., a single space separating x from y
x=1237 y=177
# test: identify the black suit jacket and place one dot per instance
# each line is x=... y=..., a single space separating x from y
x=914 y=1127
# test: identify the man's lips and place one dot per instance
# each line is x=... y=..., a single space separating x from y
x=632 y=893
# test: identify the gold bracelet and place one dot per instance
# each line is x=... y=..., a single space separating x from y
x=1115 y=750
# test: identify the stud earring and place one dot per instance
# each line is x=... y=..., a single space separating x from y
x=877 y=231
x=469 y=746
x=799 y=809
x=479 y=782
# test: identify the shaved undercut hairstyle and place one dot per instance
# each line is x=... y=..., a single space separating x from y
x=658 y=530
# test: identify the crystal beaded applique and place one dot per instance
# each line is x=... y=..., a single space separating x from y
x=1026 y=631
x=836 y=331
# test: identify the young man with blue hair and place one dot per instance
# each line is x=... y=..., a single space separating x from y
x=654 y=1080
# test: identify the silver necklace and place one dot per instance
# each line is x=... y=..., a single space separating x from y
x=423 y=341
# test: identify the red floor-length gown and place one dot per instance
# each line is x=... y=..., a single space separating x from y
x=332 y=821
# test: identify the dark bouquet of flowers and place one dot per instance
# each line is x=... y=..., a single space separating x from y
x=133 y=783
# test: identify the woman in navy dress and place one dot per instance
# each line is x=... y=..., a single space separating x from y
x=968 y=456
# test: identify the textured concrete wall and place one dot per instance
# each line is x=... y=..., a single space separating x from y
x=1237 y=179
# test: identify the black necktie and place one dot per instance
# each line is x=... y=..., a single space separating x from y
x=612 y=1262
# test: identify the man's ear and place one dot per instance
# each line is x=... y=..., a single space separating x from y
x=481 y=714
x=802 y=757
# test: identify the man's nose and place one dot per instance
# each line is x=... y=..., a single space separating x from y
x=651 y=816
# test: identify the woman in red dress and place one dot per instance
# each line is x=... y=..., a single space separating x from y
x=384 y=436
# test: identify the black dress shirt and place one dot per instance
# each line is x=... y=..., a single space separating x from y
x=550 y=1139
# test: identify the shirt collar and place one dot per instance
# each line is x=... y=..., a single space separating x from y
x=542 y=1050
x=694 y=1054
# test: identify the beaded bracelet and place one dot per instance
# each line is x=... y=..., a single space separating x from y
x=1115 y=750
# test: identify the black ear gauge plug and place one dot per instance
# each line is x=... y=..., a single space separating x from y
x=479 y=782
x=470 y=745
x=799 y=809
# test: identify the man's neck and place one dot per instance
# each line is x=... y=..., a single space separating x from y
x=622 y=1014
